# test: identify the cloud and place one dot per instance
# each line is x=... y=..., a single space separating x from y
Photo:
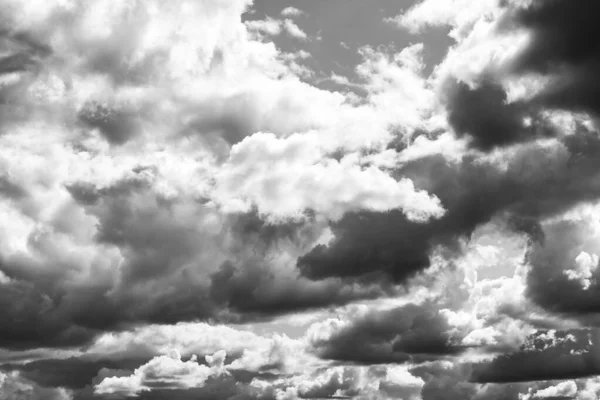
x=294 y=30
x=137 y=362
x=269 y=26
x=392 y=336
x=447 y=380
x=565 y=261
x=366 y=243
x=274 y=27
x=14 y=387
x=585 y=267
x=293 y=175
x=567 y=359
x=72 y=373
x=171 y=167
x=538 y=46
x=164 y=372
x=376 y=382
x=562 y=50
x=291 y=12
x=567 y=389
x=484 y=114
x=434 y=12
x=187 y=338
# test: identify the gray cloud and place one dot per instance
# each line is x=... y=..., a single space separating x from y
x=411 y=333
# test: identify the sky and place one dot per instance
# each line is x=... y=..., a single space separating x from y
x=299 y=199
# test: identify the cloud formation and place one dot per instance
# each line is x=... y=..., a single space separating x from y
x=195 y=205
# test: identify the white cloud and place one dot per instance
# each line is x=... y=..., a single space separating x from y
x=563 y=389
x=385 y=382
x=186 y=338
x=396 y=88
x=269 y=26
x=586 y=266
x=483 y=46
x=294 y=30
x=590 y=389
x=285 y=177
x=457 y=13
x=164 y=372
x=292 y=12
x=283 y=355
x=274 y=27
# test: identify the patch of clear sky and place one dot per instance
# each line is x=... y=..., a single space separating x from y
x=343 y=27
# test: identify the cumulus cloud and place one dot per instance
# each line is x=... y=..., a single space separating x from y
x=566 y=389
x=164 y=372
x=140 y=208
x=585 y=267
x=171 y=170
x=285 y=178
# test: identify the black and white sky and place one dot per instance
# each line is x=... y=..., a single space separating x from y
x=299 y=199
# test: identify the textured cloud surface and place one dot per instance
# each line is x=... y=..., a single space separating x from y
x=237 y=199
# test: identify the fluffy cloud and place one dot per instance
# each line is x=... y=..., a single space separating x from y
x=566 y=389
x=168 y=168
x=164 y=372
x=138 y=190
x=585 y=267
x=291 y=12
x=285 y=178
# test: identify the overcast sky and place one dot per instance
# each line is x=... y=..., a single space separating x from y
x=299 y=199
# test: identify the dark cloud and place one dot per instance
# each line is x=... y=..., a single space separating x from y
x=24 y=52
x=15 y=63
x=408 y=333
x=250 y=288
x=558 y=359
x=451 y=382
x=370 y=243
x=525 y=367
x=233 y=119
x=71 y=373
x=116 y=124
x=442 y=382
x=563 y=46
x=81 y=374
x=183 y=274
x=255 y=292
x=15 y=387
x=10 y=189
x=170 y=270
x=547 y=281
x=224 y=387
x=21 y=56
x=539 y=181
x=483 y=114
x=30 y=319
